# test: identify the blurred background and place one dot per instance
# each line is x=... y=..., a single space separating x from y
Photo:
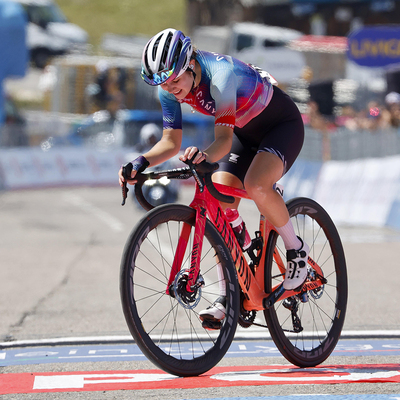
x=73 y=108
x=73 y=105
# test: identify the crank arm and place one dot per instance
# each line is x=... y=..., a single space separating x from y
x=269 y=301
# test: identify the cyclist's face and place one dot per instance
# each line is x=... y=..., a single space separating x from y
x=179 y=87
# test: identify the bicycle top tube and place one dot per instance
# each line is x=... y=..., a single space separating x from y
x=231 y=191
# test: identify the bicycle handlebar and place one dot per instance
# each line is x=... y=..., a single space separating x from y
x=201 y=172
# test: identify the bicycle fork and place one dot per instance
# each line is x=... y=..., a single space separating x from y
x=192 y=281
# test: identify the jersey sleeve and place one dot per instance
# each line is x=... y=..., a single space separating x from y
x=171 y=109
x=223 y=89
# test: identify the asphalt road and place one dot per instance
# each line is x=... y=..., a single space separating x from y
x=60 y=251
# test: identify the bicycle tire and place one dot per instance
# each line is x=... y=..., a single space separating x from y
x=322 y=314
x=170 y=335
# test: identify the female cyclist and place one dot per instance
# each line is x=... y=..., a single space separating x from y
x=258 y=131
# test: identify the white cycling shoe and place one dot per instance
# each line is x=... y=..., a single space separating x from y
x=296 y=270
x=213 y=315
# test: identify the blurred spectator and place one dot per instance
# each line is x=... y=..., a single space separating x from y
x=315 y=120
x=348 y=118
x=13 y=133
x=374 y=117
x=108 y=92
x=150 y=134
x=377 y=117
x=392 y=101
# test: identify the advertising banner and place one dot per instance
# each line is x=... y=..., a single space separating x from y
x=24 y=168
x=375 y=46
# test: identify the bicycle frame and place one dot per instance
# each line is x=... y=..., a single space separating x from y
x=252 y=284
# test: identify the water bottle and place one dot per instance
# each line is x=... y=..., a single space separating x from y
x=239 y=228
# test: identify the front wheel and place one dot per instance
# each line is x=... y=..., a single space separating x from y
x=307 y=327
x=167 y=327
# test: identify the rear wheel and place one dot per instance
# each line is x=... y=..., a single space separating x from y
x=307 y=327
x=167 y=328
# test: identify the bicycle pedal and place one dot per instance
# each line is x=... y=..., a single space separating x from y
x=211 y=325
x=299 y=288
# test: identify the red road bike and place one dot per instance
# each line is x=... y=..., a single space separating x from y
x=177 y=257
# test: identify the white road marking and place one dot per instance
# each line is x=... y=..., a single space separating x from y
x=103 y=216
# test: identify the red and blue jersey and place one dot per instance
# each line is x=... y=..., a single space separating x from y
x=230 y=90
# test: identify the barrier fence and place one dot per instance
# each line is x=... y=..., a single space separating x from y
x=360 y=185
x=344 y=144
x=341 y=144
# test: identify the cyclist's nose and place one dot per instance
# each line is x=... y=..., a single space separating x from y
x=167 y=87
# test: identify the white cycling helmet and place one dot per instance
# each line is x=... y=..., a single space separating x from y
x=166 y=56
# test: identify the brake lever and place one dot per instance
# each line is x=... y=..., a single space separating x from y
x=125 y=191
x=195 y=174
x=126 y=172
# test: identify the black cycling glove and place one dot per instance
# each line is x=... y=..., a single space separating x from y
x=139 y=164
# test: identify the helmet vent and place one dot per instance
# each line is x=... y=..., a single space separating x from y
x=155 y=47
x=165 y=51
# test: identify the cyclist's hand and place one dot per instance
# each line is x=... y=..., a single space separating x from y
x=121 y=177
x=131 y=169
x=194 y=154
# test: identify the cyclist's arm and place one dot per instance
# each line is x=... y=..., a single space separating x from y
x=168 y=146
x=217 y=149
x=221 y=145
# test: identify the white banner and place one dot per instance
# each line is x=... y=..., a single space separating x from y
x=33 y=168
x=359 y=192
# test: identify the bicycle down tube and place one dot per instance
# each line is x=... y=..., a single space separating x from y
x=205 y=204
x=265 y=228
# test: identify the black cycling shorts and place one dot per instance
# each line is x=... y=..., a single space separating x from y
x=278 y=129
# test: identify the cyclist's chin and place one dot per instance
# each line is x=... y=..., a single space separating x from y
x=181 y=94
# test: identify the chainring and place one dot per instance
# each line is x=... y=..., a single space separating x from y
x=246 y=318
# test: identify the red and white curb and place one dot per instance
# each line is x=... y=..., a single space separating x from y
x=217 y=377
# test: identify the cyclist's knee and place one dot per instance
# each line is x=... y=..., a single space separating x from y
x=258 y=189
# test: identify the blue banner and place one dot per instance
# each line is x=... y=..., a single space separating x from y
x=375 y=46
x=332 y=1
x=13 y=51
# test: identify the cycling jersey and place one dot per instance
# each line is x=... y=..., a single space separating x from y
x=230 y=90
x=237 y=95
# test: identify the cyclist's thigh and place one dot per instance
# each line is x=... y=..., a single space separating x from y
x=228 y=179
x=238 y=160
x=284 y=140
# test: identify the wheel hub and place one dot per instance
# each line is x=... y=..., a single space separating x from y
x=186 y=299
